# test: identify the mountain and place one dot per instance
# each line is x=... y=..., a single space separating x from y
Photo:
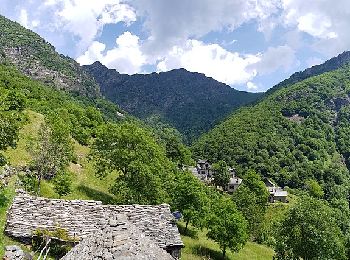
x=329 y=65
x=297 y=133
x=191 y=102
x=36 y=58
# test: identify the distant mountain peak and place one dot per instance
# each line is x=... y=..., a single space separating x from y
x=189 y=101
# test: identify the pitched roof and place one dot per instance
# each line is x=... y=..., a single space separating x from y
x=118 y=240
x=81 y=218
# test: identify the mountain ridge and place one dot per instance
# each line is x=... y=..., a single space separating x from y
x=189 y=101
x=38 y=59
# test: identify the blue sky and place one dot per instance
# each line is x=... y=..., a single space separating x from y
x=248 y=44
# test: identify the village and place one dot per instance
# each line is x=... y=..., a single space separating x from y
x=204 y=171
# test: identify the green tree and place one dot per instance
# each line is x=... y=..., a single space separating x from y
x=311 y=231
x=227 y=226
x=251 y=199
x=62 y=183
x=172 y=140
x=144 y=171
x=189 y=198
x=314 y=189
x=221 y=174
x=51 y=152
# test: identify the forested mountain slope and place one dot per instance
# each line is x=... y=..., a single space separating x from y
x=36 y=58
x=188 y=101
x=297 y=133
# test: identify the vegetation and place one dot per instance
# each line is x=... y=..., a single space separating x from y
x=251 y=199
x=227 y=226
x=222 y=174
x=311 y=231
x=295 y=134
x=189 y=102
x=30 y=52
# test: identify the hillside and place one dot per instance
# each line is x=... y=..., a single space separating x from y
x=190 y=102
x=37 y=58
x=297 y=133
x=31 y=105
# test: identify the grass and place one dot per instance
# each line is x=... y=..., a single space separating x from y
x=19 y=156
x=85 y=184
x=199 y=247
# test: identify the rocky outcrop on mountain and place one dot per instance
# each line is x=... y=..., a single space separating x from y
x=38 y=59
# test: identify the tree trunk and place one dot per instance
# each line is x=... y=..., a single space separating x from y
x=224 y=252
x=186 y=226
x=39 y=181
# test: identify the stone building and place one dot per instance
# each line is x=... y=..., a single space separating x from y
x=276 y=193
x=234 y=182
x=82 y=219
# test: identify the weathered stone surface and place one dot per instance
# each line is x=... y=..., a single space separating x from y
x=16 y=253
x=81 y=218
x=118 y=240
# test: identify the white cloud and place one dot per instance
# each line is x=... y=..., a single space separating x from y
x=275 y=58
x=23 y=18
x=69 y=22
x=313 y=61
x=212 y=60
x=86 y=19
x=126 y=57
x=251 y=86
x=172 y=23
x=326 y=21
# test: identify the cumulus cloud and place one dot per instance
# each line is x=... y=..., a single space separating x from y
x=64 y=21
x=126 y=57
x=275 y=58
x=172 y=23
x=212 y=60
x=326 y=21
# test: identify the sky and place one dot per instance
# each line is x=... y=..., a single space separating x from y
x=250 y=45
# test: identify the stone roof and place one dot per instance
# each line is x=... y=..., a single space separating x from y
x=118 y=240
x=81 y=218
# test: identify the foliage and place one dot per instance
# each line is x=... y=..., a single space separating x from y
x=190 y=102
x=189 y=198
x=314 y=189
x=295 y=134
x=171 y=139
x=52 y=151
x=311 y=231
x=62 y=183
x=251 y=199
x=221 y=174
x=30 y=52
x=144 y=169
x=227 y=226
x=58 y=242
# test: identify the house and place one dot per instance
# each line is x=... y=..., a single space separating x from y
x=84 y=219
x=202 y=170
x=276 y=193
x=234 y=182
